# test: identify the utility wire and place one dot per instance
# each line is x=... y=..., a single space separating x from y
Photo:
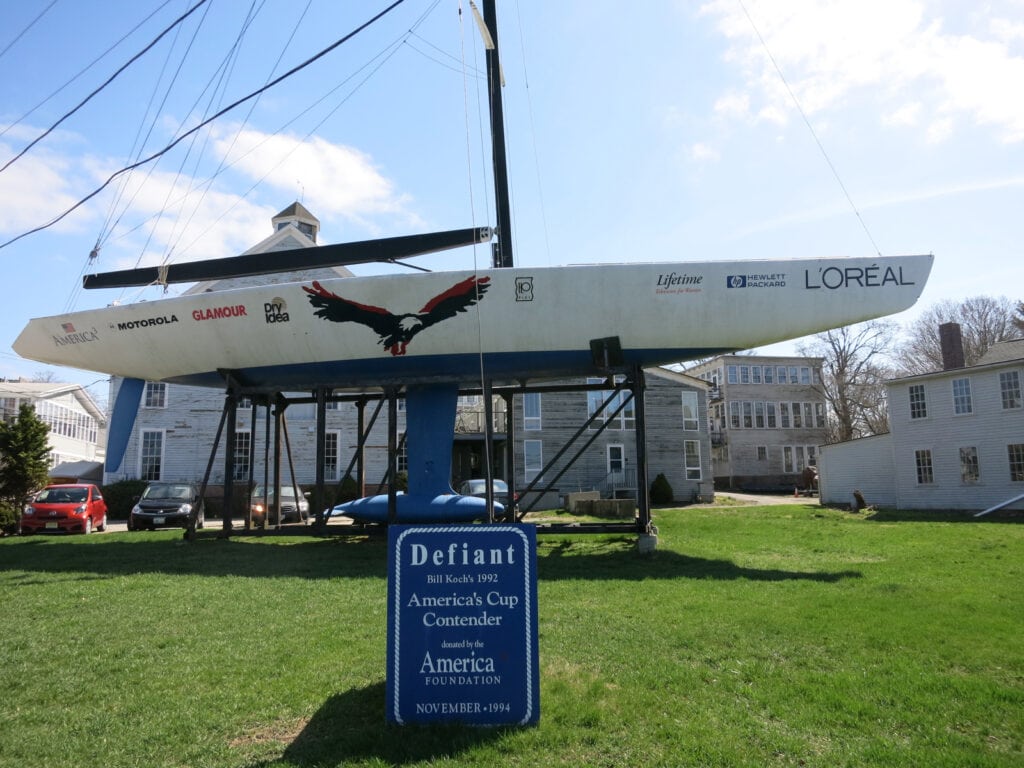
x=107 y=82
x=810 y=128
x=26 y=29
x=206 y=122
x=85 y=69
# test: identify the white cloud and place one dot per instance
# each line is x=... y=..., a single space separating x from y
x=343 y=181
x=896 y=53
x=702 y=153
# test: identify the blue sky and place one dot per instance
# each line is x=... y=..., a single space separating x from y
x=653 y=131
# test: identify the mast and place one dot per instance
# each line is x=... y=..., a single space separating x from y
x=502 y=250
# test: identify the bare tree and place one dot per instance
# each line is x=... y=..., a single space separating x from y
x=853 y=375
x=1018 y=317
x=983 y=321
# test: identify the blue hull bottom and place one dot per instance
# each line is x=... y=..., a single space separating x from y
x=415 y=508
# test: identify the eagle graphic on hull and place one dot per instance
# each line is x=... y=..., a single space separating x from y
x=396 y=331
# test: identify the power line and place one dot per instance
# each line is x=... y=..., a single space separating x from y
x=85 y=69
x=26 y=29
x=107 y=82
x=810 y=128
x=203 y=124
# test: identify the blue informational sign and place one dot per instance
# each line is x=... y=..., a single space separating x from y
x=462 y=624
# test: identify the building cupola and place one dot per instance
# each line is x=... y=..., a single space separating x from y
x=296 y=215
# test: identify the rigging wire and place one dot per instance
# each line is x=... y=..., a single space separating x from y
x=810 y=128
x=488 y=468
x=136 y=151
x=137 y=146
x=27 y=28
x=533 y=139
x=85 y=69
x=381 y=58
x=107 y=82
x=205 y=187
x=203 y=124
x=225 y=75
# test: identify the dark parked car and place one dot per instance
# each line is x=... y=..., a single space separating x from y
x=66 y=508
x=167 y=504
x=478 y=488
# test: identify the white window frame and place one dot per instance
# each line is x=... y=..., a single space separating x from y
x=970 y=465
x=963 y=401
x=691 y=459
x=1010 y=390
x=691 y=420
x=532 y=465
x=155 y=395
x=143 y=474
x=241 y=468
x=531 y=419
x=336 y=435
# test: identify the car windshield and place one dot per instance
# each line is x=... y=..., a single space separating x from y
x=167 y=492
x=480 y=486
x=287 y=492
x=63 y=495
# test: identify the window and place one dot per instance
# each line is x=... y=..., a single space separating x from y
x=755 y=374
x=244 y=403
x=794 y=375
x=819 y=415
x=759 y=415
x=744 y=374
x=962 y=404
x=797 y=420
x=1009 y=386
x=787 y=459
x=691 y=451
x=771 y=420
x=784 y=413
x=769 y=374
x=748 y=415
x=331 y=456
x=243 y=453
x=616 y=462
x=151 y=455
x=918 y=406
x=762 y=453
x=733 y=378
x=808 y=415
x=531 y=410
x=923 y=460
x=402 y=455
x=626 y=418
x=1015 y=453
x=805 y=375
x=734 y=414
x=969 y=472
x=155 y=395
x=690 y=421
x=533 y=459
x=780 y=374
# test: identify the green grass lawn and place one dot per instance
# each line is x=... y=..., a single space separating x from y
x=754 y=636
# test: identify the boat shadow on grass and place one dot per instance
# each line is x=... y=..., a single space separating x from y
x=594 y=558
x=349 y=727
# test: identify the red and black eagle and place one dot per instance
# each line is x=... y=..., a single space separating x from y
x=396 y=331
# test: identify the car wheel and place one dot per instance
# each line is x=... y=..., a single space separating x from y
x=88 y=526
x=103 y=523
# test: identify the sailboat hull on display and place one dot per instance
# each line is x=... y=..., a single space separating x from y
x=449 y=326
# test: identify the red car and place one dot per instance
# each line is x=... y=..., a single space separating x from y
x=66 y=508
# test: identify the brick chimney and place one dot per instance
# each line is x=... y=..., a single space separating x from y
x=952 y=343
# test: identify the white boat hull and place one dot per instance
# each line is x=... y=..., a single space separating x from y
x=515 y=323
